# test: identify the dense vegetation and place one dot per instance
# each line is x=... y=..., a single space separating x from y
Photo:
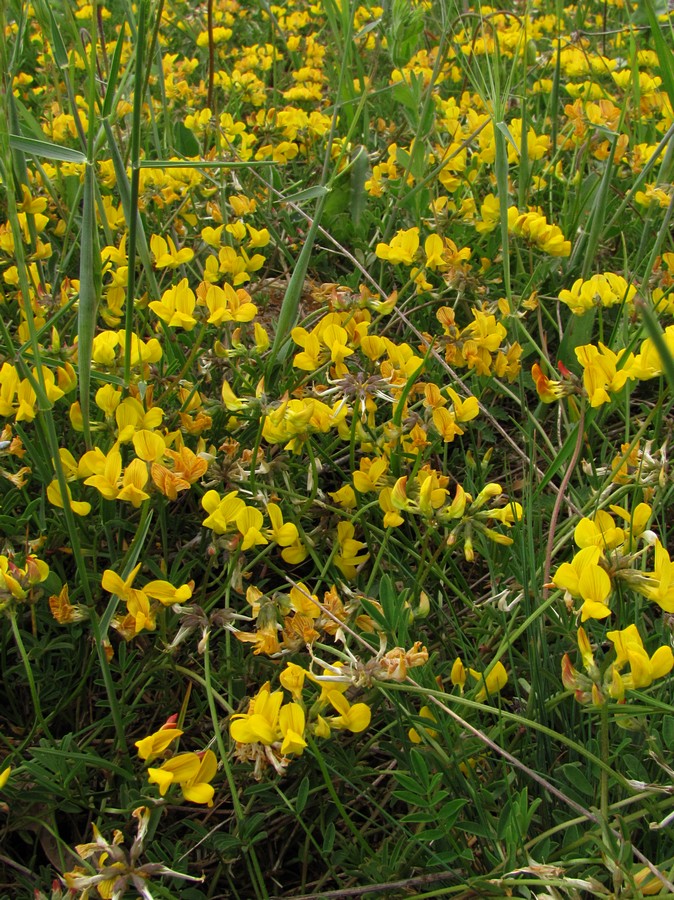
x=336 y=356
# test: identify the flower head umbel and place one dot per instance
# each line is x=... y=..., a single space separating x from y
x=600 y=682
x=116 y=869
x=270 y=731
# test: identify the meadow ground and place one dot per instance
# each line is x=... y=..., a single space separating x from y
x=336 y=368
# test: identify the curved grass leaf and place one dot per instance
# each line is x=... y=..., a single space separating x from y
x=45 y=149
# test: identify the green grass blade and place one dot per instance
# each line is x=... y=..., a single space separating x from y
x=45 y=149
x=293 y=294
x=90 y=292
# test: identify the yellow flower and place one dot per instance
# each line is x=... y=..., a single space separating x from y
x=292 y=679
x=134 y=480
x=192 y=772
x=583 y=577
x=222 y=511
x=249 y=522
x=108 y=399
x=354 y=718
x=137 y=602
x=291 y=724
x=604 y=290
x=155 y=744
x=176 y=306
x=260 y=724
x=166 y=255
x=166 y=593
x=149 y=445
x=284 y=534
x=79 y=507
x=348 y=560
x=458 y=674
x=493 y=683
x=402 y=249
x=304 y=602
x=601 y=374
x=600 y=531
x=370 y=474
x=425 y=713
x=644 y=670
x=108 y=472
x=659 y=584
x=548 y=390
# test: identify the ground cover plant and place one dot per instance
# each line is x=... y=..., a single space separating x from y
x=336 y=364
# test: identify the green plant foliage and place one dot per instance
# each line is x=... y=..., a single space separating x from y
x=336 y=356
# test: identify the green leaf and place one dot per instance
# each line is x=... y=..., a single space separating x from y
x=572 y=773
x=90 y=292
x=185 y=141
x=58 y=46
x=114 y=73
x=391 y=603
x=45 y=149
x=427 y=815
x=420 y=768
x=449 y=812
x=668 y=730
x=359 y=172
x=329 y=837
x=302 y=795
x=406 y=781
x=312 y=193
x=410 y=798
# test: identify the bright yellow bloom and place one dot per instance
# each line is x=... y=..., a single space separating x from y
x=493 y=683
x=176 y=306
x=402 y=249
x=192 y=772
x=260 y=723
x=601 y=374
x=249 y=522
x=354 y=718
x=304 y=602
x=292 y=679
x=291 y=724
x=108 y=472
x=134 y=480
x=222 y=511
x=348 y=560
x=600 y=531
x=370 y=474
x=79 y=507
x=604 y=290
x=131 y=416
x=149 y=446
x=659 y=584
x=583 y=577
x=155 y=744
x=644 y=670
x=166 y=255
x=284 y=534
